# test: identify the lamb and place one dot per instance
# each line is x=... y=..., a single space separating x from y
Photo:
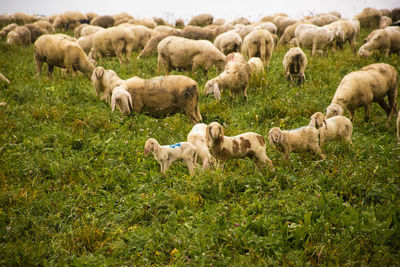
x=363 y=87
x=160 y=96
x=234 y=78
x=201 y=20
x=19 y=36
x=297 y=140
x=59 y=50
x=337 y=126
x=295 y=63
x=184 y=53
x=259 y=43
x=197 y=137
x=228 y=42
x=113 y=41
x=6 y=29
x=166 y=155
x=386 y=40
x=104 y=82
x=124 y=99
x=311 y=36
x=105 y=21
x=247 y=144
x=151 y=45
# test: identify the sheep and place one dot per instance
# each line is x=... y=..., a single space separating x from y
x=161 y=21
x=259 y=43
x=105 y=21
x=160 y=96
x=124 y=99
x=78 y=30
x=345 y=31
x=166 y=155
x=35 y=31
x=337 y=126
x=228 y=42
x=369 y=18
x=201 y=20
x=104 y=82
x=385 y=22
x=151 y=45
x=86 y=42
x=288 y=34
x=256 y=66
x=270 y=18
x=60 y=51
x=69 y=20
x=19 y=36
x=396 y=14
x=113 y=41
x=197 y=137
x=197 y=33
x=386 y=40
x=282 y=22
x=269 y=26
x=90 y=29
x=22 y=18
x=220 y=22
x=91 y=16
x=180 y=24
x=220 y=29
x=244 y=30
x=148 y=22
x=247 y=144
x=297 y=140
x=311 y=36
x=295 y=63
x=323 y=19
x=161 y=29
x=184 y=53
x=141 y=33
x=45 y=25
x=121 y=18
x=6 y=29
x=356 y=27
x=234 y=78
x=363 y=87
x=241 y=20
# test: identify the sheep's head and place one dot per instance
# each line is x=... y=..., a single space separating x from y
x=214 y=133
x=97 y=76
x=318 y=120
x=363 y=52
x=211 y=87
x=333 y=110
x=275 y=136
x=150 y=146
x=122 y=98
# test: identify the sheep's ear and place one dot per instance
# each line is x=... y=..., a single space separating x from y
x=113 y=99
x=281 y=138
x=130 y=101
x=217 y=92
x=221 y=133
x=326 y=124
x=208 y=129
x=270 y=140
x=313 y=121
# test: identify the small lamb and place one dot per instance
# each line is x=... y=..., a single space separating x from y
x=166 y=155
x=243 y=145
x=297 y=140
x=197 y=137
x=337 y=126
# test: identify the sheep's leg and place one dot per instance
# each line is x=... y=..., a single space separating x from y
x=245 y=94
x=198 y=115
x=39 y=66
x=128 y=51
x=50 y=70
x=351 y=114
x=119 y=48
x=317 y=150
x=392 y=103
x=190 y=165
x=367 y=112
x=384 y=106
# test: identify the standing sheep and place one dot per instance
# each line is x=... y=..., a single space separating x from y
x=178 y=52
x=6 y=29
x=295 y=63
x=361 y=88
x=58 y=50
x=311 y=36
x=345 y=31
x=386 y=40
x=197 y=137
x=234 y=78
x=151 y=45
x=19 y=36
x=141 y=33
x=104 y=82
x=105 y=21
x=114 y=41
x=201 y=20
x=260 y=44
x=256 y=66
x=337 y=126
x=228 y=42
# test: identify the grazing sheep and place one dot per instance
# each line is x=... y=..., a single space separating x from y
x=104 y=82
x=121 y=18
x=247 y=144
x=337 y=126
x=288 y=34
x=151 y=45
x=78 y=30
x=244 y=30
x=311 y=36
x=59 y=50
x=228 y=42
x=161 y=29
x=282 y=22
x=178 y=52
x=22 y=18
x=259 y=43
x=69 y=20
x=105 y=21
x=385 y=22
x=234 y=78
x=295 y=63
x=197 y=33
x=6 y=29
x=160 y=96
x=323 y=19
x=201 y=20
x=148 y=22
x=19 y=36
x=386 y=40
x=114 y=41
x=269 y=26
x=222 y=28
x=124 y=99
x=363 y=87
x=45 y=25
x=197 y=137
x=241 y=20
x=345 y=31
x=90 y=29
x=180 y=24
x=86 y=42
x=166 y=155
x=91 y=16
x=256 y=66
x=35 y=31
x=297 y=140
x=369 y=18
x=141 y=33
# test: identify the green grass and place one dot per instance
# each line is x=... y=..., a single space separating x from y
x=77 y=189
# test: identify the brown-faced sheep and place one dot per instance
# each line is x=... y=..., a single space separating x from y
x=247 y=144
x=295 y=63
x=58 y=50
x=228 y=42
x=386 y=40
x=363 y=87
x=201 y=20
x=177 y=52
x=19 y=36
x=259 y=43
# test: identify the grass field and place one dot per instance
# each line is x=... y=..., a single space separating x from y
x=76 y=188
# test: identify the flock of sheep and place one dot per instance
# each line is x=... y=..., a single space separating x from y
x=240 y=50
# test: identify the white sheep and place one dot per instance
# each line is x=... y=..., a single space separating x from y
x=282 y=22
x=344 y=32
x=59 y=50
x=247 y=144
x=269 y=26
x=141 y=33
x=243 y=30
x=197 y=137
x=6 y=29
x=201 y=20
x=86 y=42
x=19 y=36
x=363 y=87
x=104 y=82
x=178 y=52
x=289 y=33
x=256 y=66
x=235 y=77
x=90 y=29
x=166 y=155
x=123 y=99
x=259 y=43
x=295 y=63
x=228 y=42
x=337 y=126
x=386 y=40
x=297 y=140
x=314 y=37
x=114 y=41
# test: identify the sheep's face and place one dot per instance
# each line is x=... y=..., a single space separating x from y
x=318 y=120
x=363 y=52
x=122 y=99
x=97 y=77
x=333 y=110
x=208 y=88
x=149 y=146
x=275 y=136
x=214 y=133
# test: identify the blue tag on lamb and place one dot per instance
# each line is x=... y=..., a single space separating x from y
x=173 y=146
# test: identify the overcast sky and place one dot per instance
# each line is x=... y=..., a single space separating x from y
x=173 y=9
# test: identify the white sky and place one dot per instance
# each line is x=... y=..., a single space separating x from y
x=173 y=9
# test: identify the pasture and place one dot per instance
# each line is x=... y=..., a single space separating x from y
x=76 y=188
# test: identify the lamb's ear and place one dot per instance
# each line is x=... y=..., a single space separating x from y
x=270 y=140
x=130 y=101
x=221 y=133
x=282 y=138
x=326 y=124
x=113 y=99
x=313 y=122
x=208 y=136
x=217 y=92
